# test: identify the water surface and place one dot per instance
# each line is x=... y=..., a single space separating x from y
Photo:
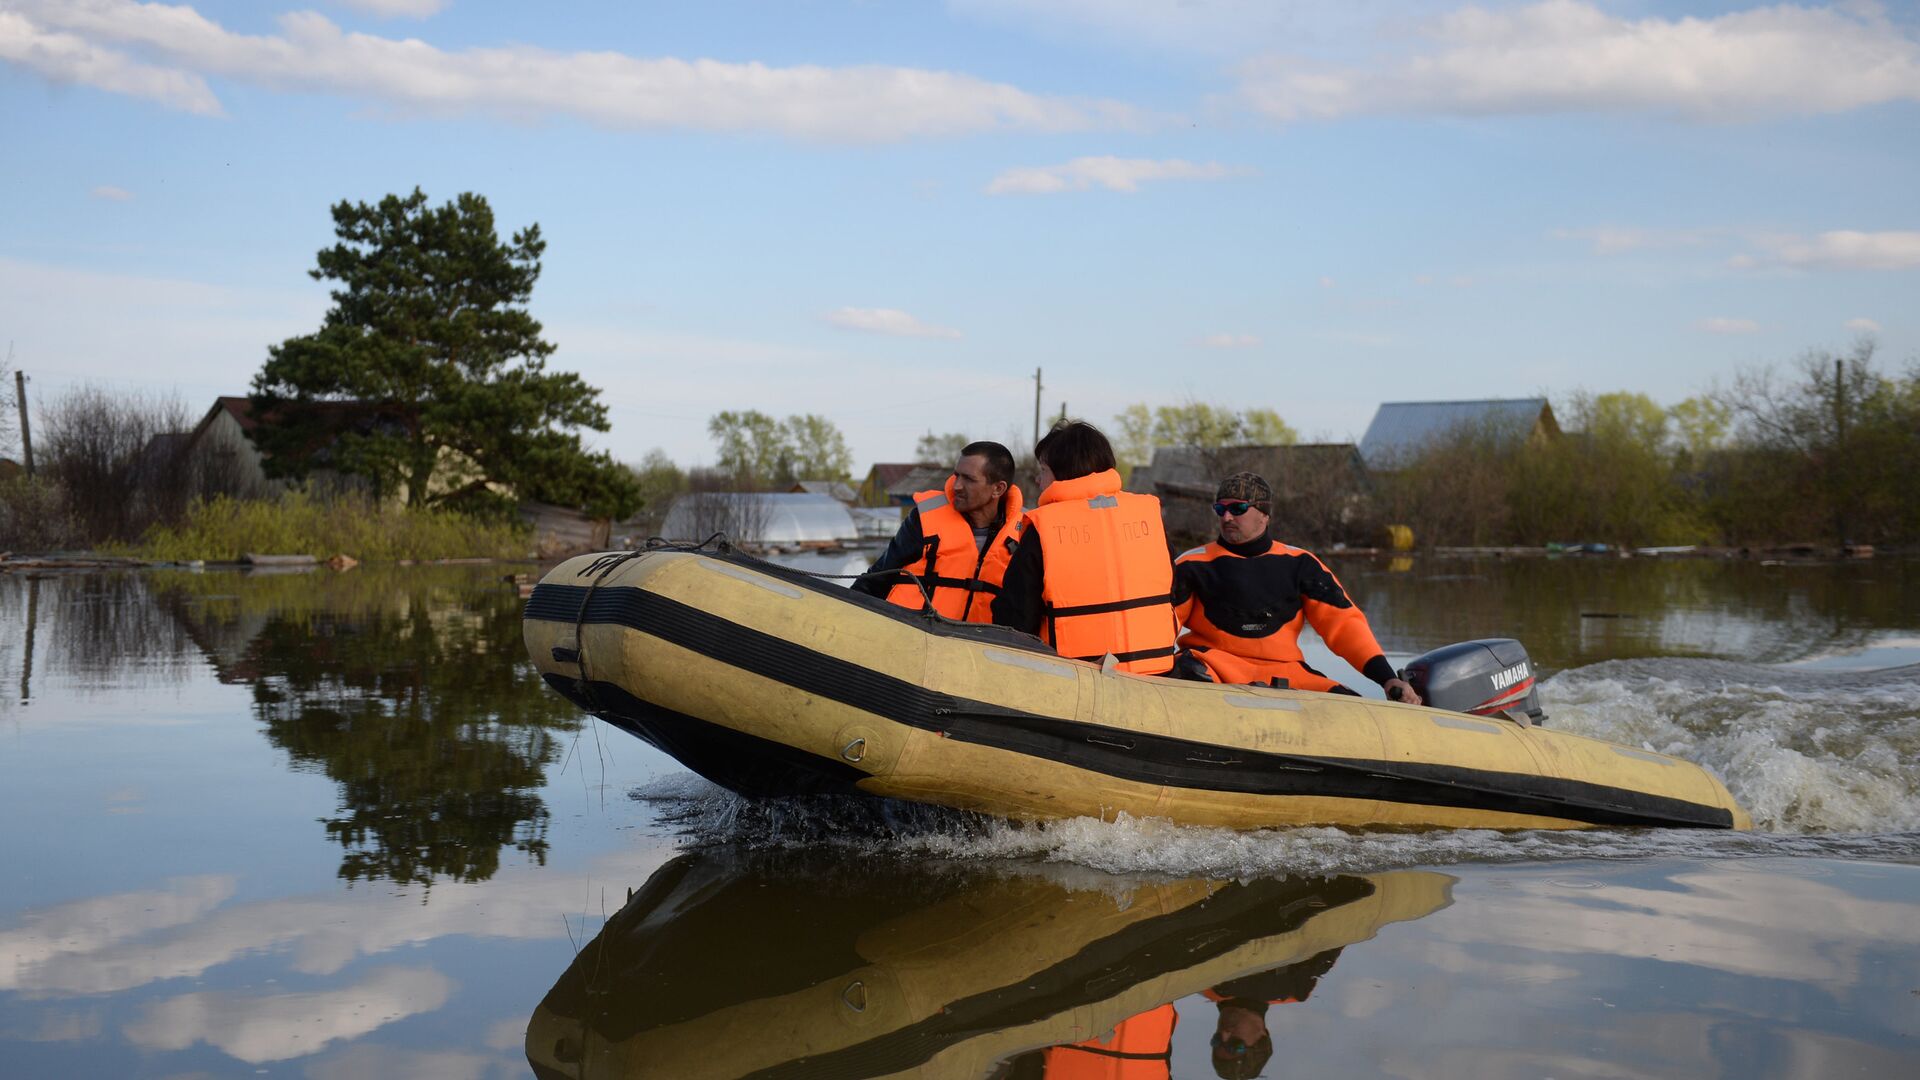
x=331 y=825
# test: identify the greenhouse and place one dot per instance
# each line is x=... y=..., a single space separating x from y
x=762 y=519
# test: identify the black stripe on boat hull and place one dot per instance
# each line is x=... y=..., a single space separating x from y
x=1128 y=755
x=756 y=767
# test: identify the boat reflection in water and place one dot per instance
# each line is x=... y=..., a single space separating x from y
x=765 y=965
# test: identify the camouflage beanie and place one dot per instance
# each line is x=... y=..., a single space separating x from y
x=1245 y=487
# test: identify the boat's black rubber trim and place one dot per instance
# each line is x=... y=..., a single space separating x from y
x=1130 y=755
x=921 y=619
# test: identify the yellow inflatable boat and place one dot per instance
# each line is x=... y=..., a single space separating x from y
x=771 y=682
x=771 y=965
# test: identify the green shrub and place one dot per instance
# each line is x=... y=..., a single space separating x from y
x=225 y=528
x=34 y=515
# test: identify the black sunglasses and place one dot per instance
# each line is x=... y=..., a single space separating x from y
x=1234 y=508
x=1229 y=1045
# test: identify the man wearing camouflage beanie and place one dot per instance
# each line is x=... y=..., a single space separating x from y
x=1244 y=597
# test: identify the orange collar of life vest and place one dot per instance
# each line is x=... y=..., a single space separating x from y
x=1105 y=482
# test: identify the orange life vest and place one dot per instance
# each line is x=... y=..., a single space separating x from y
x=1139 y=1048
x=1266 y=642
x=1108 y=583
x=964 y=580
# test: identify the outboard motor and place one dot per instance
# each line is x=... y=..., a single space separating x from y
x=1489 y=677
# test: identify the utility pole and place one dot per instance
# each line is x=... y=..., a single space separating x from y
x=1036 y=406
x=1839 y=489
x=20 y=395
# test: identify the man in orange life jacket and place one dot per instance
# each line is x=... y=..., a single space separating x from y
x=1244 y=597
x=1091 y=574
x=956 y=541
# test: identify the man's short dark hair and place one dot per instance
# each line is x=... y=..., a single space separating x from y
x=1075 y=448
x=999 y=460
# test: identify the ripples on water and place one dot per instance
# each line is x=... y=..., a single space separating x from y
x=1827 y=762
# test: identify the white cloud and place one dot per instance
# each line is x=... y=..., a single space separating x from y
x=409 y=9
x=1840 y=250
x=1211 y=26
x=67 y=58
x=311 y=54
x=111 y=193
x=1719 y=324
x=1326 y=282
x=1230 y=341
x=274 y=1027
x=888 y=321
x=1570 y=56
x=1112 y=173
x=1863 y=325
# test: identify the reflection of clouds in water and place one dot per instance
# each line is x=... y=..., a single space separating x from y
x=1505 y=968
x=1822 y=1053
x=73 y=935
x=1613 y=1041
x=275 y=1027
x=1756 y=922
x=393 y=1063
x=114 y=944
x=508 y=1034
x=1733 y=969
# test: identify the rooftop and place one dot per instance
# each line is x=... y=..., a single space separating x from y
x=1403 y=427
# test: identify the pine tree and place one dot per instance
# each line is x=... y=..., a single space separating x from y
x=429 y=376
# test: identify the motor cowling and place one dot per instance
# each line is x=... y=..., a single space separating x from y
x=1485 y=677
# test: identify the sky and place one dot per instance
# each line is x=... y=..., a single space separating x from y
x=893 y=213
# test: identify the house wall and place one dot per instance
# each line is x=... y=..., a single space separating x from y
x=225 y=462
x=560 y=532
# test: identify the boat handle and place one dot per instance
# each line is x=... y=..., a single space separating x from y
x=854 y=750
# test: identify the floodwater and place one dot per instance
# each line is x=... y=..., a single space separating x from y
x=331 y=825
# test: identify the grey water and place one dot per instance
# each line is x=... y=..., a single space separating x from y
x=329 y=825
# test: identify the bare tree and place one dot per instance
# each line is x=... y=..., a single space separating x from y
x=712 y=505
x=119 y=459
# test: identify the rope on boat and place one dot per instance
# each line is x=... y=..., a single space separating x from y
x=657 y=543
x=605 y=565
